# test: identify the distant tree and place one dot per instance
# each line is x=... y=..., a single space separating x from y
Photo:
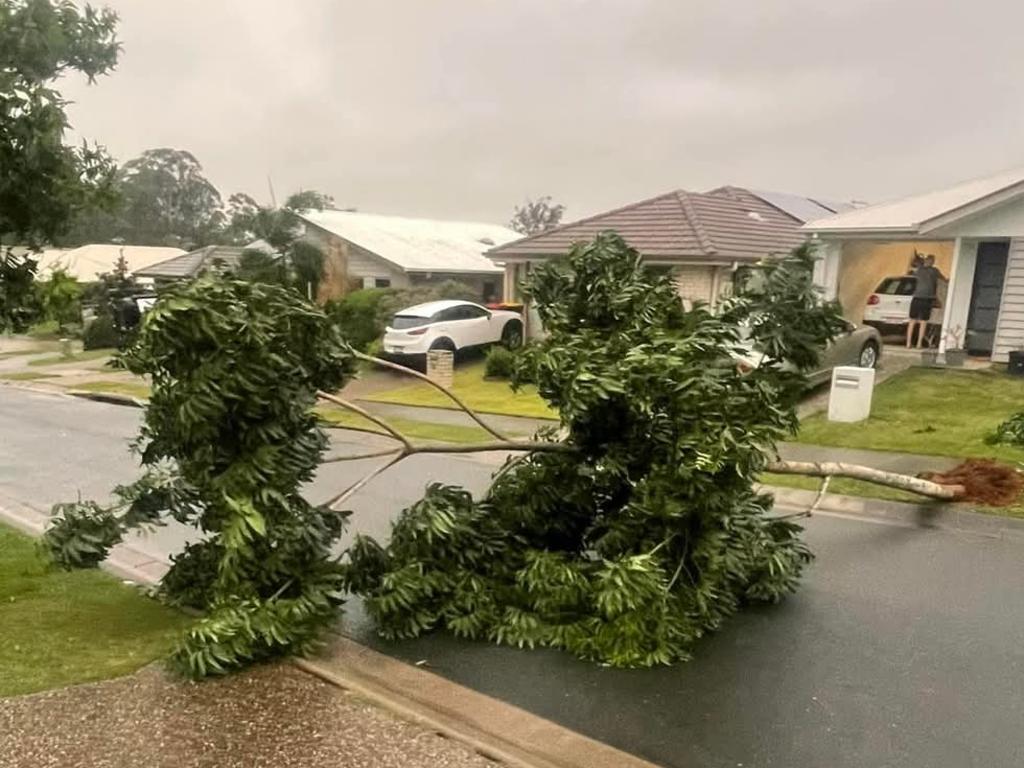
x=168 y=200
x=536 y=216
x=242 y=212
x=309 y=200
x=44 y=183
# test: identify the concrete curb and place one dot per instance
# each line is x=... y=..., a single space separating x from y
x=494 y=729
x=957 y=517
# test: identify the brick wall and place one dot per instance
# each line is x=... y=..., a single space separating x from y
x=693 y=282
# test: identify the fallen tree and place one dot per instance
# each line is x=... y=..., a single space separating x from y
x=623 y=536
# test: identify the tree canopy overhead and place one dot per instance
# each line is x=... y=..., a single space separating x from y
x=45 y=183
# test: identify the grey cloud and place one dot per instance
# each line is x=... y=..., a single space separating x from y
x=461 y=108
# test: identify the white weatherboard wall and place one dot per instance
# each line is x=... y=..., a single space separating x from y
x=1010 y=326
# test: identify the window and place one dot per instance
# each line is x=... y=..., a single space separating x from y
x=401 y=322
x=382 y=282
x=897 y=286
x=471 y=311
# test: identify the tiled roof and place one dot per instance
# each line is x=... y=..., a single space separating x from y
x=727 y=224
x=191 y=264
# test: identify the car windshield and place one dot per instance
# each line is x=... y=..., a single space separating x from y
x=399 y=322
x=897 y=286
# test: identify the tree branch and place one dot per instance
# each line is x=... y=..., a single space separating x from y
x=359 y=484
x=366 y=415
x=868 y=474
x=447 y=392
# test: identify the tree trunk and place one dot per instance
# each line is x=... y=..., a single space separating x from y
x=868 y=474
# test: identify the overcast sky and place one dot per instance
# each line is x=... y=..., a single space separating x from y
x=463 y=108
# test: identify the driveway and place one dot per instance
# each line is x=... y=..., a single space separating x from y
x=904 y=646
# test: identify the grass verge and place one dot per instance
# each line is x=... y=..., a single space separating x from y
x=485 y=396
x=131 y=388
x=415 y=430
x=77 y=357
x=59 y=628
x=930 y=411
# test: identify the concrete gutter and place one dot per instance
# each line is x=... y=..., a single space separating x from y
x=494 y=729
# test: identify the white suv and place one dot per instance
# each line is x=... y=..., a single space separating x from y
x=451 y=325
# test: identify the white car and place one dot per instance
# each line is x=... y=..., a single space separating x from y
x=451 y=325
x=888 y=308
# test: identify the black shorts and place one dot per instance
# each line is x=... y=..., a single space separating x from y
x=921 y=308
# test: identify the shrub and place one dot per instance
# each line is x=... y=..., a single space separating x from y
x=357 y=316
x=101 y=333
x=1010 y=432
x=499 y=363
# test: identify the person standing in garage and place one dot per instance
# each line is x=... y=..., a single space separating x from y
x=924 y=299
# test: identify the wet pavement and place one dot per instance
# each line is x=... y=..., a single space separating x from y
x=270 y=717
x=904 y=647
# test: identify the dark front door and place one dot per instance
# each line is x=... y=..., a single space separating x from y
x=986 y=294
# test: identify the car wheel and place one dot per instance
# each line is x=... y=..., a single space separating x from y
x=512 y=334
x=868 y=355
x=446 y=344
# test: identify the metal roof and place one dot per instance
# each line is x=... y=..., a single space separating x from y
x=88 y=262
x=417 y=245
x=725 y=225
x=910 y=213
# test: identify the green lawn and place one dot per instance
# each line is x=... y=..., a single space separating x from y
x=77 y=357
x=415 y=430
x=130 y=388
x=930 y=411
x=27 y=376
x=60 y=628
x=479 y=394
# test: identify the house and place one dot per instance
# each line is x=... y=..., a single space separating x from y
x=187 y=266
x=703 y=238
x=369 y=250
x=976 y=232
x=86 y=263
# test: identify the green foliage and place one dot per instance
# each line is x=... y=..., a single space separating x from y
x=650 y=533
x=101 y=333
x=81 y=534
x=358 y=316
x=59 y=296
x=500 y=362
x=229 y=437
x=44 y=183
x=1009 y=432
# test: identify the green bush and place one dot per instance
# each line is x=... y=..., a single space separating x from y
x=100 y=334
x=357 y=315
x=499 y=363
x=1010 y=432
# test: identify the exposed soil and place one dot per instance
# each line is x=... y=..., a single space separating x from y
x=985 y=481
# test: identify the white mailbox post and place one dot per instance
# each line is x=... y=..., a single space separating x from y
x=850 y=398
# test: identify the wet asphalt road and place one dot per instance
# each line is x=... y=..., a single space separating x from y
x=904 y=647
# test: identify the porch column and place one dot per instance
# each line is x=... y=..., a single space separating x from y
x=826 y=268
x=958 y=293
